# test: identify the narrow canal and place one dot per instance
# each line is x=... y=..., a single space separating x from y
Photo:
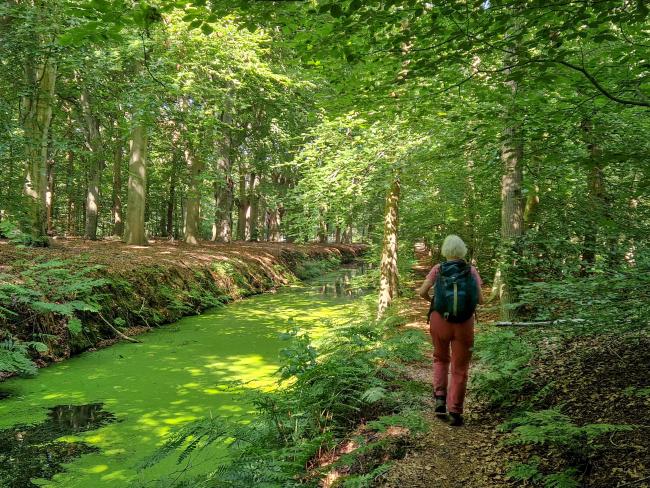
x=91 y=420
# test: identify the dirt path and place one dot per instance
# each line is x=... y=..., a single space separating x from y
x=448 y=457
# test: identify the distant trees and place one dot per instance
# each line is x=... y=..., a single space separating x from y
x=524 y=130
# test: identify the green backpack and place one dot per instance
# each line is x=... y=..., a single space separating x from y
x=455 y=292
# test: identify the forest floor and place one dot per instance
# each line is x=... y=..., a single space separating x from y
x=595 y=378
x=139 y=287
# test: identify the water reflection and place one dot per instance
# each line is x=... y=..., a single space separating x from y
x=340 y=283
x=31 y=451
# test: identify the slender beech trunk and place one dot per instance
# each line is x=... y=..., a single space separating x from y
x=191 y=221
x=171 y=201
x=118 y=224
x=337 y=234
x=254 y=199
x=275 y=220
x=347 y=235
x=36 y=107
x=243 y=219
x=388 y=268
x=223 y=199
x=94 y=168
x=49 y=196
x=597 y=201
x=470 y=205
x=512 y=217
x=135 y=232
x=512 y=204
x=69 y=156
x=224 y=184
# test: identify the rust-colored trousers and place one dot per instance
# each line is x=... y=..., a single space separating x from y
x=460 y=339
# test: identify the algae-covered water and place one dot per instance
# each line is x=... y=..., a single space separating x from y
x=91 y=420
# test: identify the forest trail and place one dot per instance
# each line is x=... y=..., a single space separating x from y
x=446 y=457
x=592 y=367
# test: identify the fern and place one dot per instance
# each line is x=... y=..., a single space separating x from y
x=502 y=370
x=530 y=472
x=563 y=479
x=546 y=427
x=15 y=357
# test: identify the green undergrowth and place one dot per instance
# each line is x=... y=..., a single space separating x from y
x=503 y=381
x=325 y=392
x=47 y=298
x=614 y=305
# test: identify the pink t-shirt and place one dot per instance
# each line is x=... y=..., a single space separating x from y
x=433 y=274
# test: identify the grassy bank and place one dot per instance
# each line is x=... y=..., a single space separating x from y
x=78 y=295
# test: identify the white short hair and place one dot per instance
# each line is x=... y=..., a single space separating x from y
x=453 y=247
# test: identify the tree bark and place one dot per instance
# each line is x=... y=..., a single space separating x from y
x=118 y=224
x=512 y=218
x=171 y=202
x=36 y=108
x=596 y=197
x=49 y=196
x=243 y=229
x=275 y=221
x=137 y=186
x=512 y=204
x=254 y=199
x=94 y=168
x=192 y=216
x=69 y=156
x=224 y=185
x=388 y=268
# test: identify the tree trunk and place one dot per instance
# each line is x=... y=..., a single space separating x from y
x=596 y=198
x=136 y=200
x=243 y=230
x=512 y=218
x=69 y=156
x=388 y=268
x=94 y=168
x=171 y=201
x=275 y=220
x=254 y=199
x=347 y=235
x=191 y=221
x=512 y=204
x=223 y=199
x=36 y=108
x=118 y=225
x=49 y=196
x=322 y=231
x=224 y=185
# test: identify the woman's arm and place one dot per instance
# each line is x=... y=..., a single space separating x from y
x=424 y=289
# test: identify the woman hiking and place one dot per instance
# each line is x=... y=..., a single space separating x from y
x=457 y=291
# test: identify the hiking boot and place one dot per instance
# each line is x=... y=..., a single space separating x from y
x=455 y=419
x=441 y=405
